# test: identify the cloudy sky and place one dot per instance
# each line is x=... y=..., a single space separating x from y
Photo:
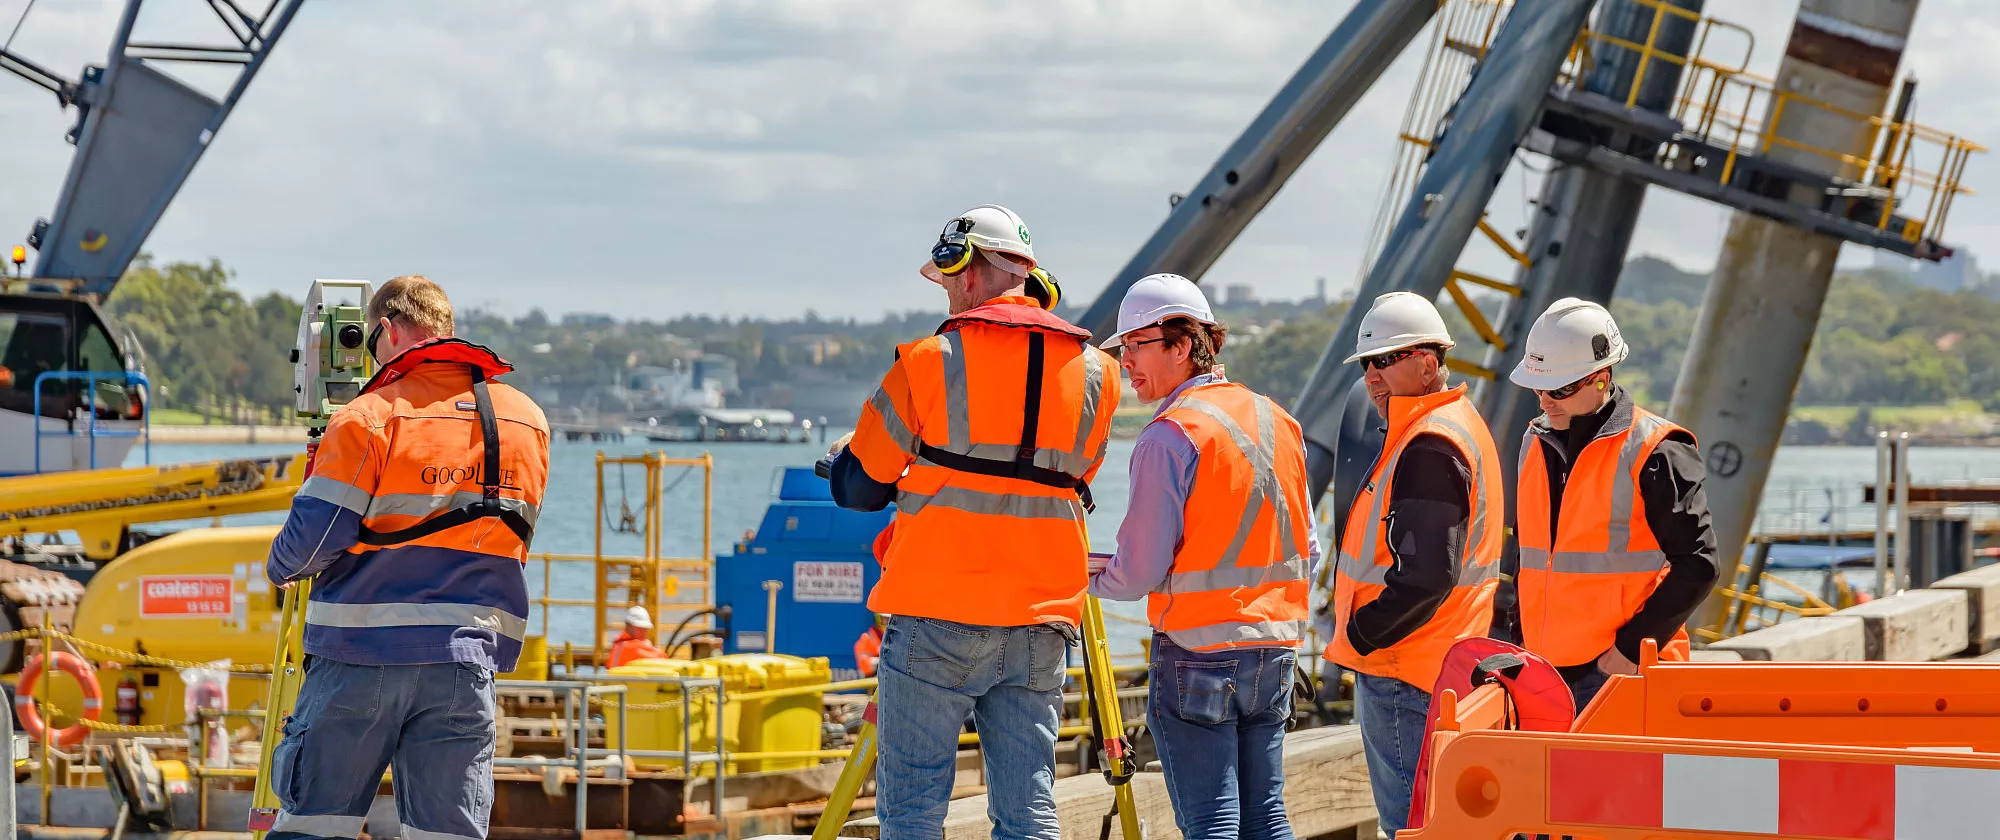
x=770 y=156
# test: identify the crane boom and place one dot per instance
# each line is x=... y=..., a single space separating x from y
x=139 y=132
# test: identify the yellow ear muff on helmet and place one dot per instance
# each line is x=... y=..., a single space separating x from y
x=1044 y=289
x=953 y=252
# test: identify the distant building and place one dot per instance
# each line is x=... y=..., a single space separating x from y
x=1955 y=273
x=1239 y=294
x=1958 y=272
x=819 y=347
x=710 y=368
x=677 y=386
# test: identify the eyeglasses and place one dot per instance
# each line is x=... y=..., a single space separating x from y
x=1566 y=391
x=1383 y=361
x=1130 y=346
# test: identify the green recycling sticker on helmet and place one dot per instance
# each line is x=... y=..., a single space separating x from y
x=1023 y=231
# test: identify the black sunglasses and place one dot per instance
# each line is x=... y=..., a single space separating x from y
x=1566 y=391
x=1383 y=361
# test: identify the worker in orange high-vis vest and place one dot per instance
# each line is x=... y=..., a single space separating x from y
x=414 y=526
x=985 y=436
x=1218 y=538
x=636 y=642
x=1613 y=524
x=1418 y=557
x=868 y=648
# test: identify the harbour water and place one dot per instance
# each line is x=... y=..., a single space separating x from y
x=1797 y=498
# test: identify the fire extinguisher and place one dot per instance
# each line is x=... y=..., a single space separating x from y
x=128 y=702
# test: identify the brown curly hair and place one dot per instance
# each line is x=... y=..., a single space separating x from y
x=1204 y=340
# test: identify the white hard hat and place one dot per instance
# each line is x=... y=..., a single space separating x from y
x=1155 y=298
x=1398 y=320
x=637 y=617
x=993 y=228
x=1573 y=339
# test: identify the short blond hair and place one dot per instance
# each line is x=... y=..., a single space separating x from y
x=414 y=300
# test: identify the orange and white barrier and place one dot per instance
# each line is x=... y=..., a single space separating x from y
x=1715 y=751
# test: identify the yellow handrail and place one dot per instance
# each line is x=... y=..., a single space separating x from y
x=1706 y=108
x=650 y=578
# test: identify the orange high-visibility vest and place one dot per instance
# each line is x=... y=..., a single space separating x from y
x=1239 y=576
x=1577 y=590
x=1361 y=569
x=631 y=647
x=989 y=527
x=868 y=650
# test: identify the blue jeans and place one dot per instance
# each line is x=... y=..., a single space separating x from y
x=433 y=723
x=1218 y=720
x=1585 y=686
x=932 y=674
x=1392 y=714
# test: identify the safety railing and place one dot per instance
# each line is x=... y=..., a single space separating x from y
x=1751 y=607
x=1592 y=42
x=577 y=753
x=133 y=381
x=1460 y=38
x=1718 y=98
x=670 y=588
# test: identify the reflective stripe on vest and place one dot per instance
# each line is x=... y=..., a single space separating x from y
x=1575 y=592
x=1226 y=574
x=992 y=504
x=423 y=505
x=1368 y=572
x=989 y=526
x=1255 y=590
x=516 y=515
x=326 y=614
x=1364 y=558
x=1075 y=460
x=1617 y=558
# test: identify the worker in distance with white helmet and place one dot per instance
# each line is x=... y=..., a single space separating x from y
x=636 y=642
x=1419 y=558
x=1218 y=537
x=1613 y=523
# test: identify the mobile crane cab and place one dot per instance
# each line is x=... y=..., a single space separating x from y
x=72 y=397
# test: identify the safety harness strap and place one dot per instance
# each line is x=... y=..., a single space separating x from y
x=489 y=504
x=1023 y=466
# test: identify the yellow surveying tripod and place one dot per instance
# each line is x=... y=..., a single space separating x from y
x=287 y=672
x=1107 y=725
x=333 y=361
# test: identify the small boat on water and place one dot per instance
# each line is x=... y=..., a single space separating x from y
x=762 y=425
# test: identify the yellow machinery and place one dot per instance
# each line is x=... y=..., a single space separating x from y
x=762 y=723
x=102 y=505
x=197 y=596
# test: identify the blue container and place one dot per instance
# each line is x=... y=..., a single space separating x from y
x=824 y=558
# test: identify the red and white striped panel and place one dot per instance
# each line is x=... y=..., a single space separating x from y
x=1771 y=796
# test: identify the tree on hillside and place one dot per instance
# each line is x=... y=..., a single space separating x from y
x=1278 y=363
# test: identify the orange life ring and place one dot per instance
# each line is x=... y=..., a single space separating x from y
x=24 y=697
